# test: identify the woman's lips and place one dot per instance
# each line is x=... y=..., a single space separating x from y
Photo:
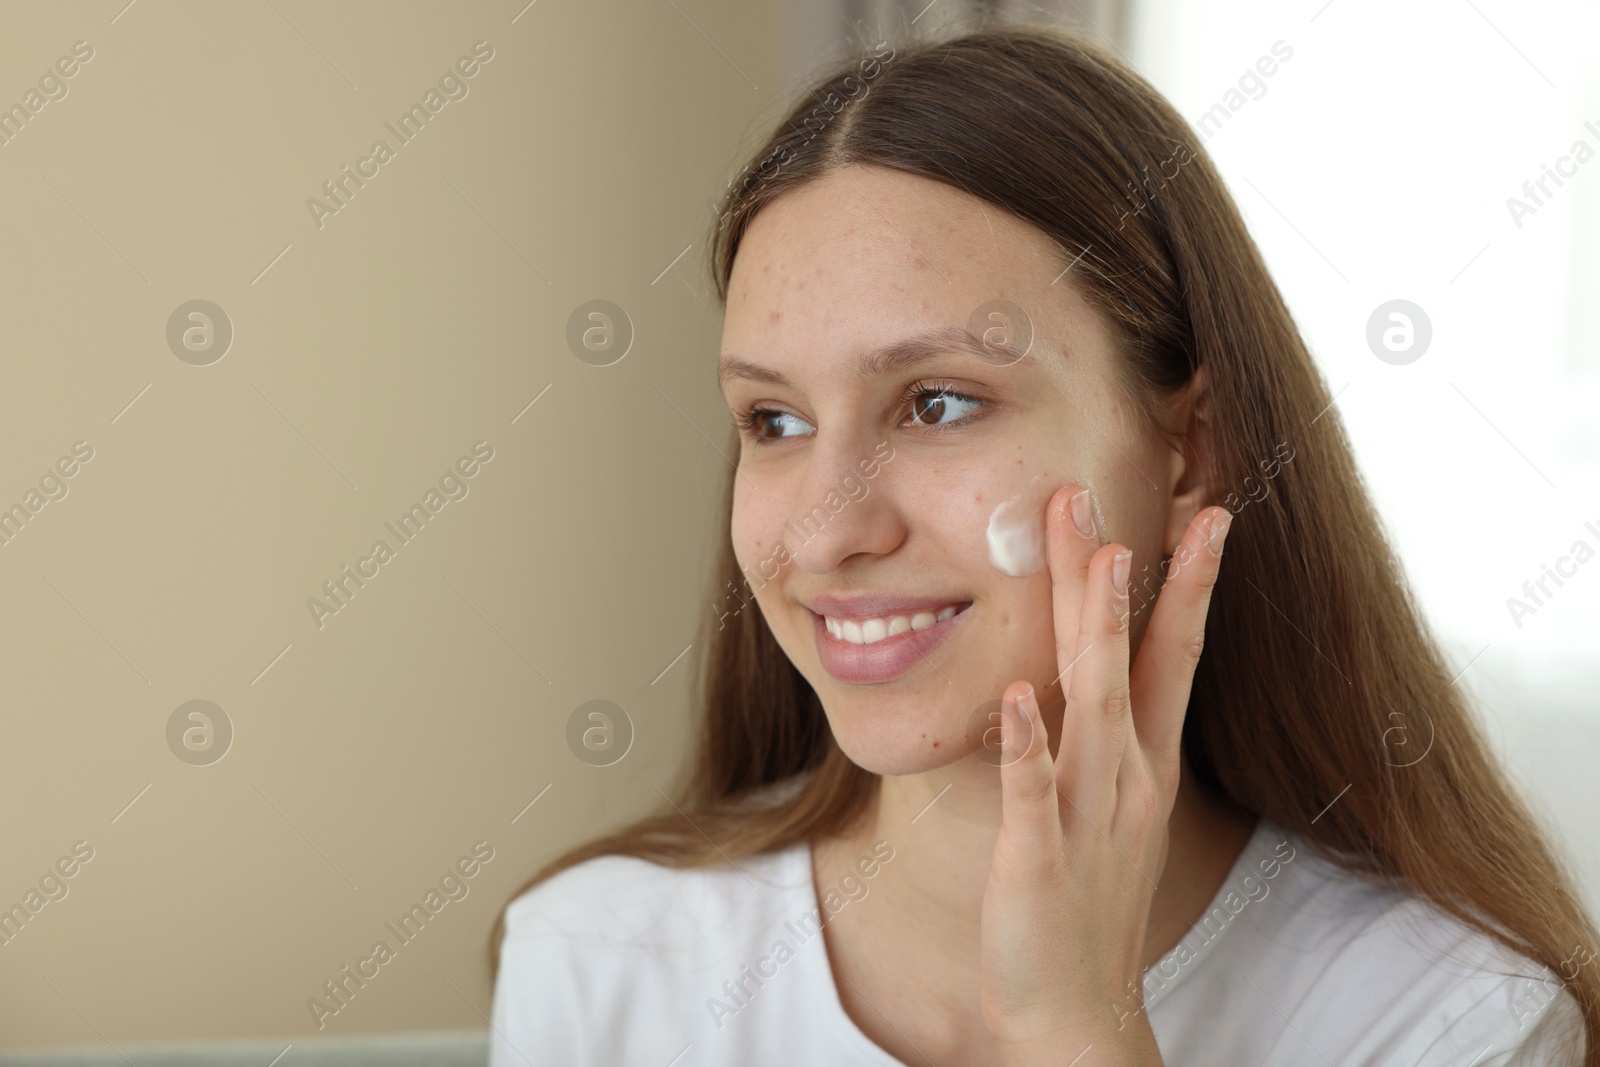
x=882 y=660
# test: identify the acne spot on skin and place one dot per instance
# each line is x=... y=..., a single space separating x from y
x=774 y=317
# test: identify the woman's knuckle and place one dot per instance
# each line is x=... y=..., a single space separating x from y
x=1036 y=785
x=1193 y=645
x=1118 y=703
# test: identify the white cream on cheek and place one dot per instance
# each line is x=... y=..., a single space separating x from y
x=1017 y=531
x=1016 y=537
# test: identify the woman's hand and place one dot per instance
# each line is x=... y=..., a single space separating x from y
x=1083 y=838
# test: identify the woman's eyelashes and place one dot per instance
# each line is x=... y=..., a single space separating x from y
x=930 y=404
x=757 y=423
x=930 y=407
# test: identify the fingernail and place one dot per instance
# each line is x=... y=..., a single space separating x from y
x=1024 y=717
x=1082 y=514
x=1218 y=533
x=1011 y=713
x=1119 y=572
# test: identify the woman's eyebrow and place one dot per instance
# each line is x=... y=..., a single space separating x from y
x=889 y=359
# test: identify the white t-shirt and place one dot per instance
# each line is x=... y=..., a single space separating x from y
x=621 y=962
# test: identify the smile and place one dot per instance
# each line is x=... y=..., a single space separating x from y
x=881 y=648
x=871 y=631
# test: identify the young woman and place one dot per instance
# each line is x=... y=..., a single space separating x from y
x=1006 y=366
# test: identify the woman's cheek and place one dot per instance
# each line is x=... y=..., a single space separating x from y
x=957 y=516
x=1008 y=523
x=757 y=537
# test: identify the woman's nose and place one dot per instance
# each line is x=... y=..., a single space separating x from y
x=841 y=512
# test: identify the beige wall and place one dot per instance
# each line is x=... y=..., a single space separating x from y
x=418 y=320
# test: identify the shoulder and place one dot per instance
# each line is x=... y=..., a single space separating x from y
x=1427 y=987
x=1370 y=973
x=625 y=898
x=1465 y=994
x=611 y=960
x=628 y=896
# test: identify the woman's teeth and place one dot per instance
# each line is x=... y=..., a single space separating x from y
x=869 y=631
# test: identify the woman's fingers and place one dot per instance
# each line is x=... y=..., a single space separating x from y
x=1070 y=541
x=1029 y=805
x=1030 y=789
x=1164 y=672
x=1096 y=722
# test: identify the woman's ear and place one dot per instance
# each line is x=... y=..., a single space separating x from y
x=1190 y=493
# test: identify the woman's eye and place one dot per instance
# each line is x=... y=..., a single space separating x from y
x=936 y=407
x=766 y=424
x=931 y=408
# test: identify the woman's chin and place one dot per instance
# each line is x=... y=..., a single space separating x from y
x=915 y=750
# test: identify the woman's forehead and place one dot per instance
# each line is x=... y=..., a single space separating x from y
x=865 y=259
x=861 y=224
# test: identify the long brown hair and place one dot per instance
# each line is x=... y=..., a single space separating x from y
x=1293 y=720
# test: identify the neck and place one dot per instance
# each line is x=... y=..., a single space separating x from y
x=943 y=824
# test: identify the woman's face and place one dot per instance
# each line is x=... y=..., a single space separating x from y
x=864 y=497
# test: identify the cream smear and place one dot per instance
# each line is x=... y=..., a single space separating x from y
x=1016 y=537
x=1017 y=532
